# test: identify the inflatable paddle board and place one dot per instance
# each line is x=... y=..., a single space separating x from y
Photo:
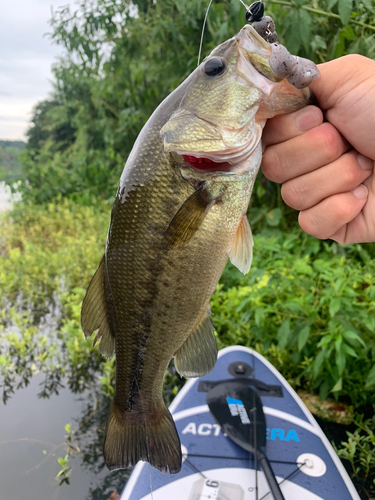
x=245 y=435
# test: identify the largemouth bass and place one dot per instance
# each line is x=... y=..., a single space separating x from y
x=179 y=212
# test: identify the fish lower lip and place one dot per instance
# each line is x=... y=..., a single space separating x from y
x=207 y=165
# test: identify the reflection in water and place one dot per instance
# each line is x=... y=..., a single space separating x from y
x=32 y=439
x=38 y=407
x=89 y=439
x=39 y=327
x=41 y=394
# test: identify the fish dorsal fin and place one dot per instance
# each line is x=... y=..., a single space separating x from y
x=189 y=217
x=94 y=314
x=198 y=355
x=241 y=252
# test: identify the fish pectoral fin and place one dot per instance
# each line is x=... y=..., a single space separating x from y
x=241 y=252
x=189 y=217
x=94 y=314
x=198 y=355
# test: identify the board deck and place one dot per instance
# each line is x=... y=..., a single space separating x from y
x=214 y=467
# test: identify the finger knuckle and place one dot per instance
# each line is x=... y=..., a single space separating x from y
x=293 y=194
x=331 y=142
x=350 y=176
x=338 y=210
x=313 y=222
x=271 y=164
x=343 y=212
x=308 y=224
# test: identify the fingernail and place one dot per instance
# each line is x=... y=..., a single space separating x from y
x=364 y=162
x=308 y=118
x=360 y=192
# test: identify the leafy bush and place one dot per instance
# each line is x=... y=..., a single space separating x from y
x=358 y=450
x=48 y=257
x=118 y=66
x=309 y=305
x=9 y=163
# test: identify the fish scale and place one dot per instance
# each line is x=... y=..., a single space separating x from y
x=179 y=212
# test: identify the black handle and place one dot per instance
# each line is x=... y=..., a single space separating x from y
x=270 y=476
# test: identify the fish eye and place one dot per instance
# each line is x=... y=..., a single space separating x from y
x=214 y=66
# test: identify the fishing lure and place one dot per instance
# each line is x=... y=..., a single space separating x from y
x=263 y=25
x=298 y=71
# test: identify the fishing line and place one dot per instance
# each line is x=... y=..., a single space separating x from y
x=255 y=431
x=245 y=459
x=247 y=7
x=195 y=469
x=147 y=438
x=149 y=471
x=204 y=25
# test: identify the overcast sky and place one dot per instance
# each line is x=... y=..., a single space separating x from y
x=25 y=61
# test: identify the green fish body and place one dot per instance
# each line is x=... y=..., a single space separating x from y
x=179 y=212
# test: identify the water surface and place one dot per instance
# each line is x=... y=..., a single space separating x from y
x=32 y=438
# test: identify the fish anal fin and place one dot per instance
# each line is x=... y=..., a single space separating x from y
x=198 y=354
x=134 y=435
x=189 y=217
x=241 y=252
x=94 y=314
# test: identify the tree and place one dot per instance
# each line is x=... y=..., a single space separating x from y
x=123 y=58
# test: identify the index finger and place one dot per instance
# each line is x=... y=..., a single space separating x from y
x=281 y=128
x=302 y=154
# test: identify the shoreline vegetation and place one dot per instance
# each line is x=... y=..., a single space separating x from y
x=306 y=305
x=10 y=166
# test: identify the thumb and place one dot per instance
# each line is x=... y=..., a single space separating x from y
x=339 y=77
x=346 y=92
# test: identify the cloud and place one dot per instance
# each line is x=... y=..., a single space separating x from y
x=26 y=57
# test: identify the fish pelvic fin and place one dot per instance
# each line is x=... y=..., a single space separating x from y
x=187 y=220
x=241 y=252
x=198 y=354
x=94 y=314
x=150 y=436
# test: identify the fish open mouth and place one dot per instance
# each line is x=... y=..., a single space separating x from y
x=207 y=165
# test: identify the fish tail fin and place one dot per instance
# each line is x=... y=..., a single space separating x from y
x=134 y=435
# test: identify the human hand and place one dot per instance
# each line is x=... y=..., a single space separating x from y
x=327 y=168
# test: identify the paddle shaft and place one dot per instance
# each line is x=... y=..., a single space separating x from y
x=270 y=476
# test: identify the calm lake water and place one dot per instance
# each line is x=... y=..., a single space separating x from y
x=32 y=439
x=32 y=436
